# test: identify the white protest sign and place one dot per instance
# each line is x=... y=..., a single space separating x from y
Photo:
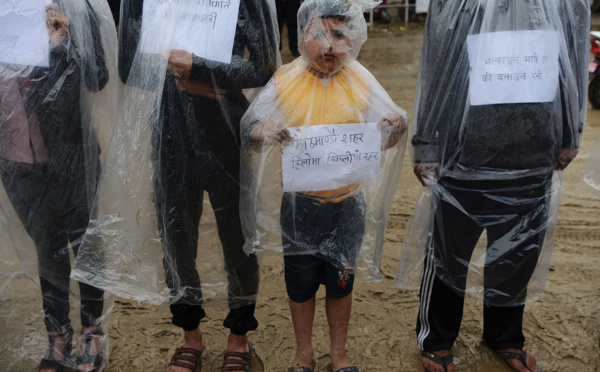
x=327 y=157
x=422 y=6
x=205 y=28
x=513 y=67
x=24 y=36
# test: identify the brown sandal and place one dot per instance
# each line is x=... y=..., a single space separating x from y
x=234 y=361
x=187 y=358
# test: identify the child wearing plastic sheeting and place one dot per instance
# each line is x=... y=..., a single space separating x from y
x=51 y=58
x=326 y=137
x=496 y=119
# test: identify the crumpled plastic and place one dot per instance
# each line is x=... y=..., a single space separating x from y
x=499 y=111
x=322 y=149
x=58 y=97
x=167 y=215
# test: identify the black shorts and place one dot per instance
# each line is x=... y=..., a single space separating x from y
x=305 y=273
x=321 y=243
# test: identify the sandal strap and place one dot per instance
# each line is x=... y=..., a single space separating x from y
x=241 y=362
x=521 y=356
x=443 y=361
x=179 y=359
x=87 y=358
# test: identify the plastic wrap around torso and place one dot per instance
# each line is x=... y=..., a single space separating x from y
x=208 y=120
x=513 y=68
x=176 y=148
x=317 y=110
x=50 y=95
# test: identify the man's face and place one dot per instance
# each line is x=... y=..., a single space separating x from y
x=326 y=44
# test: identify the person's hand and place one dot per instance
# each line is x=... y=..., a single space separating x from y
x=180 y=64
x=427 y=173
x=199 y=88
x=392 y=127
x=57 y=23
x=269 y=132
x=565 y=156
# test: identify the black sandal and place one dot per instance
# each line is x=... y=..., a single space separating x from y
x=521 y=356
x=443 y=361
x=87 y=358
x=187 y=358
x=234 y=361
x=49 y=362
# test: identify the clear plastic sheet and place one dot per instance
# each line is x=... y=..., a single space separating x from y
x=499 y=109
x=322 y=148
x=169 y=196
x=58 y=96
x=592 y=170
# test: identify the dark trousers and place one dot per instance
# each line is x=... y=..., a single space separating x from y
x=190 y=159
x=53 y=209
x=287 y=11
x=515 y=214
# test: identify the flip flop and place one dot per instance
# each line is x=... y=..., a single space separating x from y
x=520 y=356
x=443 y=361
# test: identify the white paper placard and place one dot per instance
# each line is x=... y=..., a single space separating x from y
x=422 y=6
x=327 y=157
x=24 y=36
x=205 y=28
x=513 y=67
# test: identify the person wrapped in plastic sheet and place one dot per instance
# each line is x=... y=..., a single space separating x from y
x=496 y=120
x=185 y=64
x=54 y=57
x=321 y=156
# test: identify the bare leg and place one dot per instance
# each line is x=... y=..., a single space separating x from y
x=303 y=314
x=338 y=316
x=237 y=343
x=193 y=340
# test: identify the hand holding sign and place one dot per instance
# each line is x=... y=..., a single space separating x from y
x=392 y=127
x=180 y=64
x=268 y=133
x=58 y=24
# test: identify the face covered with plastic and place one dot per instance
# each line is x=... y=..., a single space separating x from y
x=330 y=33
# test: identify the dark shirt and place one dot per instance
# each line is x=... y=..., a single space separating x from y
x=502 y=137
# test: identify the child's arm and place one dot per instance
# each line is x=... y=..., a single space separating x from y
x=392 y=127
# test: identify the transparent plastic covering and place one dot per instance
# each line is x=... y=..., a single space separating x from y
x=592 y=170
x=167 y=218
x=58 y=96
x=322 y=149
x=499 y=108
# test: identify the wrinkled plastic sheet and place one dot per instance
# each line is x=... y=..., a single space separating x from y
x=322 y=149
x=493 y=120
x=167 y=216
x=592 y=170
x=58 y=96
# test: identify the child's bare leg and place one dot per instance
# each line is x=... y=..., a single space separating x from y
x=303 y=314
x=338 y=316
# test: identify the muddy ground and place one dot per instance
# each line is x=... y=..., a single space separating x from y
x=562 y=329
